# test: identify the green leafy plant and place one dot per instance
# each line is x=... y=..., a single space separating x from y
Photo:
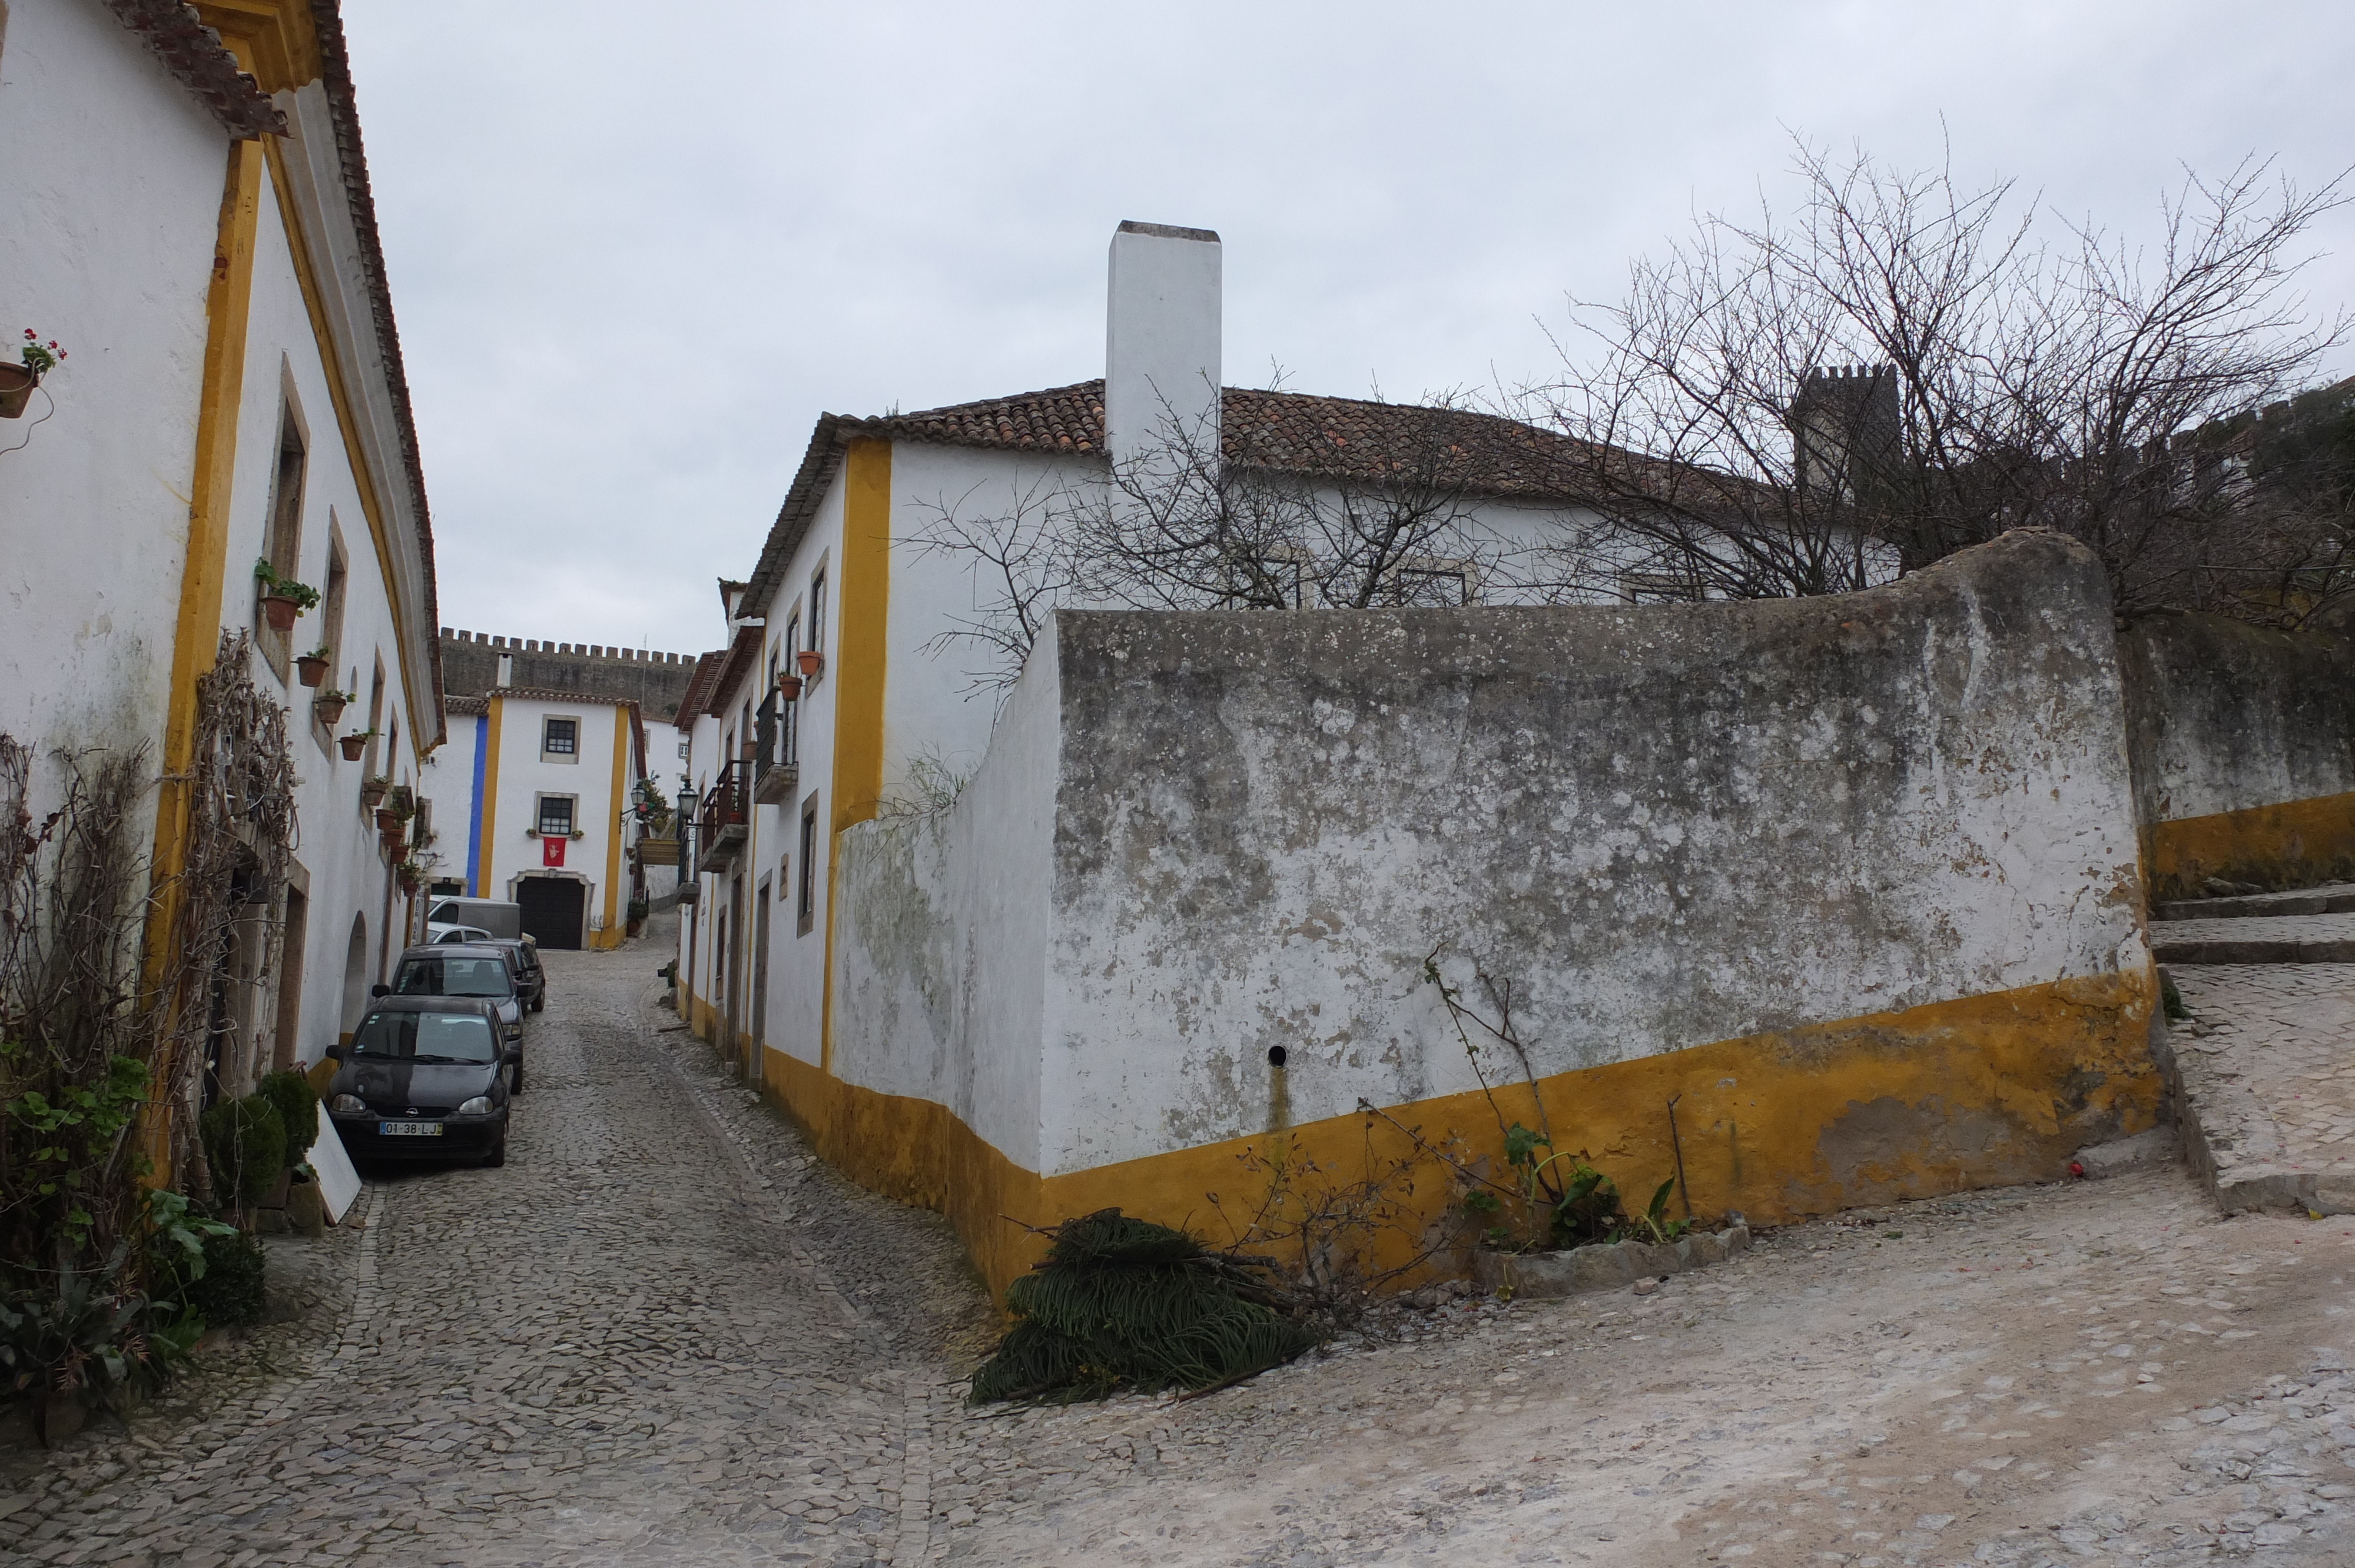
x=297 y=1103
x=176 y=1245
x=330 y=694
x=230 y=1292
x=66 y=1137
x=321 y=652
x=39 y=358
x=245 y=1140
x=1125 y=1303
x=1654 y=1220
x=86 y=1339
x=637 y=909
x=304 y=596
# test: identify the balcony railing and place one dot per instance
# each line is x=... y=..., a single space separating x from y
x=776 y=750
x=721 y=829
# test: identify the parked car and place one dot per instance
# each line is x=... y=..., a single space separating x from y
x=496 y=916
x=422 y=1080
x=489 y=974
x=436 y=934
x=530 y=978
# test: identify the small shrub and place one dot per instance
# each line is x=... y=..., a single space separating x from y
x=1124 y=1303
x=245 y=1143
x=298 y=1110
x=229 y=1293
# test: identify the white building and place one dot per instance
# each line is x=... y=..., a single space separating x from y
x=845 y=589
x=187 y=215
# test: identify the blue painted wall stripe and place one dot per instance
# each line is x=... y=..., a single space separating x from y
x=475 y=827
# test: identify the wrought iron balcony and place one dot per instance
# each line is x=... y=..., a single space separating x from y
x=721 y=830
x=776 y=750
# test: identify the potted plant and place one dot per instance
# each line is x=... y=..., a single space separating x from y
x=579 y=833
x=283 y=599
x=372 y=789
x=637 y=915
x=329 y=705
x=411 y=875
x=17 y=381
x=392 y=815
x=789 y=687
x=355 y=742
x=312 y=666
x=811 y=661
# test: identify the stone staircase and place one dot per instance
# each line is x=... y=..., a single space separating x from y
x=2263 y=1068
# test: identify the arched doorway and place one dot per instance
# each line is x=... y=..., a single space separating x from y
x=356 y=973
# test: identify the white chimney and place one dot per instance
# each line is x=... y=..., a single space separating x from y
x=1161 y=340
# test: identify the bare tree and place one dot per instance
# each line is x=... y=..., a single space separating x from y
x=1906 y=367
x=1213 y=517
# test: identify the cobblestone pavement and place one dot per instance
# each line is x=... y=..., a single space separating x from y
x=2268 y=1065
x=665 y=1334
x=617 y=1349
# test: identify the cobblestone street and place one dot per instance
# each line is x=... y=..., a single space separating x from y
x=663 y=1334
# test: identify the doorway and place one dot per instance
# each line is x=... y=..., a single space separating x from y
x=551 y=907
x=287 y=1049
x=760 y=980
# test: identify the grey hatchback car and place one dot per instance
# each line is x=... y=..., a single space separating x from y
x=421 y=1079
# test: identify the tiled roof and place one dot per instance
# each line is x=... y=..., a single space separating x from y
x=477 y=705
x=195 y=54
x=1344 y=439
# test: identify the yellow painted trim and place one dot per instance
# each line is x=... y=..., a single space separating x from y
x=204 y=571
x=416 y=686
x=497 y=711
x=614 y=931
x=2293 y=845
x=861 y=644
x=273 y=40
x=1982 y=1091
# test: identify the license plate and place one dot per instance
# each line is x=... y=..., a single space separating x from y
x=409 y=1130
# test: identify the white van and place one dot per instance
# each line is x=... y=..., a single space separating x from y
x=491 y=917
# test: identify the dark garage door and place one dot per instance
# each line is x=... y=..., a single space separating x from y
x=551 y=910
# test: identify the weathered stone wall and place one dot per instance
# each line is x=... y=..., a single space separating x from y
x=1856 y=877
x=656 y=682
x=2244 y=747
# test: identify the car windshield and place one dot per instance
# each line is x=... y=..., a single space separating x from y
x=455 y=975
x=426 y=1037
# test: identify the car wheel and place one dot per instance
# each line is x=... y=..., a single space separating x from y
x=498 y=1154
x=514 y=1084
x=538 y=1003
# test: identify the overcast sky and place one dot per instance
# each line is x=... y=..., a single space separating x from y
x=636 y=251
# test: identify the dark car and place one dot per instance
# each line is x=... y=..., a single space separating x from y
x=422 y=1080
x=469 y=969
x=530 y=978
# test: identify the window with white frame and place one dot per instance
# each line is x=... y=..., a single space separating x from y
x=559 y=740
x=556 y=816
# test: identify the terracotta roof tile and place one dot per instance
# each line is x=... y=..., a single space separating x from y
x=195 y=54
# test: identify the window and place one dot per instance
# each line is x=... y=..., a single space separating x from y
x=559 y=740
x=806 y=888
x=817 y=611
x=555 y=816
x=285 y=525
x=331 y=618
x=682 y=750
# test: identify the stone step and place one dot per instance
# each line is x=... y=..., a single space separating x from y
x=2334 y=898
x=2256 y=940
x=2263 y=1080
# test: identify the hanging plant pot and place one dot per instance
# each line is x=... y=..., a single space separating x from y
x=281 y=611
x=353 y=744
x=371 y=792
x=387 y=821
x=312 y=670
x=811 y=660
x=16 y=384
x=329 y=710
x=790 y=687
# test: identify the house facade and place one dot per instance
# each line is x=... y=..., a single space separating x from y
x=191 y=223
x=545 y=794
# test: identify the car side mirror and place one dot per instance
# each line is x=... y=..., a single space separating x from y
x=379 y=990
x=334 y=1053
x=510 y=1057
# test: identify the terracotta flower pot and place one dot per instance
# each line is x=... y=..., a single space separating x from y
x=811 y=660
x=281 y=611
x=370 y=793
x=16 y=384
x=313 y=671
x=329 y=711
x=388 y=823
x=790 y=688
x=353 y=746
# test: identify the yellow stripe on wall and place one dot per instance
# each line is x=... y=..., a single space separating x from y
x=2293 y=845
x=1977 y=1092
x=614 y=817
x=484 y=882
x=863 y=604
